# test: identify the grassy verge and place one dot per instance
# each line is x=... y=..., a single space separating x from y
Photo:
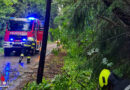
x=71 y=76
x=1 y=50
x=53 y=68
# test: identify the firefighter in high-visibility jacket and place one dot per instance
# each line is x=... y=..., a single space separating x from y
x=28 y=48
x=108 y=78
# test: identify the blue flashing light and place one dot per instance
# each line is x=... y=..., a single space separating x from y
x=24 y=39
x=12 y=17
x=7 y=73
x=11 y=39
x=31 y=18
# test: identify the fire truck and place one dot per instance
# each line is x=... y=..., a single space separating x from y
x=19 y=30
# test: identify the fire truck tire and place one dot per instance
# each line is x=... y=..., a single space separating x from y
x=6 y=52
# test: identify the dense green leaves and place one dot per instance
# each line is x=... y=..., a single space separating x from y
x=25 y=8
x=90 y=24
x=95 y=35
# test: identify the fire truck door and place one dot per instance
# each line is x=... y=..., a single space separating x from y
x=40 y=33
x=35 y=30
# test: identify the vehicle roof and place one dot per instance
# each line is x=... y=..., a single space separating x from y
x=21 y=19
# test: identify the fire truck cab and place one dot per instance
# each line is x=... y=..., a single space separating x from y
x=19 y=30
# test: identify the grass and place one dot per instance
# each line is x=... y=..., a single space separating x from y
x=50 y=42
x=1 y=50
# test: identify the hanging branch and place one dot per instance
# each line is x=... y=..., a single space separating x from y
x=108 y=20
x=127 y=2
x=122 y=15
x=119 y=13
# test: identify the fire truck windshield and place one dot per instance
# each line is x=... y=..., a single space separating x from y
x=19 y=26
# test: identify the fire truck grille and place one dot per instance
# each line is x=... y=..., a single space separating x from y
x=17 y=45
x=18 y=37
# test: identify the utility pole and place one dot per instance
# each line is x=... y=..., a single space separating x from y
x=44 y=43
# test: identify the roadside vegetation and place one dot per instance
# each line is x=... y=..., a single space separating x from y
x=94 y=34
x=1 y=51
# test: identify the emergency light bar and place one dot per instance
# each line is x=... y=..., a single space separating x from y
x=32 y=18
x=23 y=19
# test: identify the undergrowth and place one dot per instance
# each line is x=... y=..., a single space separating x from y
x=1 y=50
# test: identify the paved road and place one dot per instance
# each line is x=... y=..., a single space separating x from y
x=13 y=60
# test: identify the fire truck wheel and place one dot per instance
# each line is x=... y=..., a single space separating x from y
x=7 y=52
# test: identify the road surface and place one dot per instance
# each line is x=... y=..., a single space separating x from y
x=23 y=68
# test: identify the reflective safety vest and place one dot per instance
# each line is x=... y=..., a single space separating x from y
x=29 y=44
x=33 y=45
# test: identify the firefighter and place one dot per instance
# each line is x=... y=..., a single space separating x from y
x=28 y=48
x=58 y=44
x=108 y=78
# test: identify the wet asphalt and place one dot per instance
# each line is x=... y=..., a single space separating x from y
x=17 y=70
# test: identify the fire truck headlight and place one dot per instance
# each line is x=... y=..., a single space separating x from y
x=24 y=39
x=11 y=39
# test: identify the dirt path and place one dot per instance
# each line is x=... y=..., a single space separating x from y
x=53 y=65
x=25 y=71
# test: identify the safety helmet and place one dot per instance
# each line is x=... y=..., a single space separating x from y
x=103 y=77
x=30 y=39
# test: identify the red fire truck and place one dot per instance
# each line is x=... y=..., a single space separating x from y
x=19 y=30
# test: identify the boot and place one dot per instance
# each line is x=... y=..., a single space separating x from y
x=28 y=59
x=20 y=59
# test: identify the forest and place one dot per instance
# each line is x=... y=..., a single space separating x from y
x=94 y=33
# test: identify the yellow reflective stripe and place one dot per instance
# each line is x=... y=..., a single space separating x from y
x=27 y=45
x=22 y=54
x=32 y=47
x=28 y=57
x=33 y=43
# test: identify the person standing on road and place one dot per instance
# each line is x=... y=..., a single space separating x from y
x=29 y=49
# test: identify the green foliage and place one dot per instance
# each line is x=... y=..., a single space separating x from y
x=55 y=33
x=26 y=8
x=42 y=86
x=55 y=51
x=89 y=24
x=65 y=81
x=94 y=38
x=6 y=8
x=1 y=50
